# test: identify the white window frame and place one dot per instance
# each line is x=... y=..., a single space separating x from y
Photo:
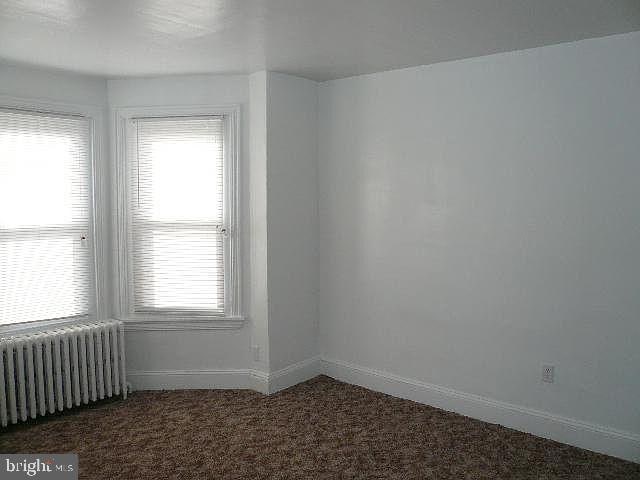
x=232 y=317
x=98 y=302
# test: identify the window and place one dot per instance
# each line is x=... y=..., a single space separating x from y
x=179 y=231
x=46 y=255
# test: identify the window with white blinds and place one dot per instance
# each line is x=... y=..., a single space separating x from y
x=45 y=255
x=176 y=214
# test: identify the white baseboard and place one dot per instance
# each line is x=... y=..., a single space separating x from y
x=294 y=374
x=193 y=379
x=586 y=435
x=224 y=379
x=591 y=436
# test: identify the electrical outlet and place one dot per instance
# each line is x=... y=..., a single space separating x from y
x=548 y=373
x=256 y=353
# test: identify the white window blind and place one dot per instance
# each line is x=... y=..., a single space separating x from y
x=45 y=259
x=176 y=215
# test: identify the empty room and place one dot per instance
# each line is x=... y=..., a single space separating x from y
x=320 y=239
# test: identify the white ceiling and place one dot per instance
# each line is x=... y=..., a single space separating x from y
x=318 y=39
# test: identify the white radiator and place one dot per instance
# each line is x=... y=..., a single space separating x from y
x=57 y=369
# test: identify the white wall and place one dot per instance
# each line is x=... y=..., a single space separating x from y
x=292 y=218
x=258 y=296
x=480 y=218
x=53 y=86
x=204 y=352
x=279 y=218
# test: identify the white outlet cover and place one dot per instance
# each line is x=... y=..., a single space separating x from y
x=548 y=373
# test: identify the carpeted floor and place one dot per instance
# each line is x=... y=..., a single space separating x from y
x=318 y=429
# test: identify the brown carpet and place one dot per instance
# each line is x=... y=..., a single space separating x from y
x=318 y=429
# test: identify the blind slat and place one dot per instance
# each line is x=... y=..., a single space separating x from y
x=176 y=214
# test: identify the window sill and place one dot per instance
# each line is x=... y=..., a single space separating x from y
x=14 y=329
x=155 y=324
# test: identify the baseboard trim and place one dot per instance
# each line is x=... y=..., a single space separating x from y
x=225 y=379
x=599 y=438
x=294 y=374
x=195 y=379
x=581 y=434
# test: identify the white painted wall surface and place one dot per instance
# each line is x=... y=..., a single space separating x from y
x=279 y=215
x=480 y=218
x=258 y=295
x=203 y=351
x=51 y=85
x=292 y=218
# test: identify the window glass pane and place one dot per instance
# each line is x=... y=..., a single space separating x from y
x=176 y=203
x=44 y=193
x=43 y=278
